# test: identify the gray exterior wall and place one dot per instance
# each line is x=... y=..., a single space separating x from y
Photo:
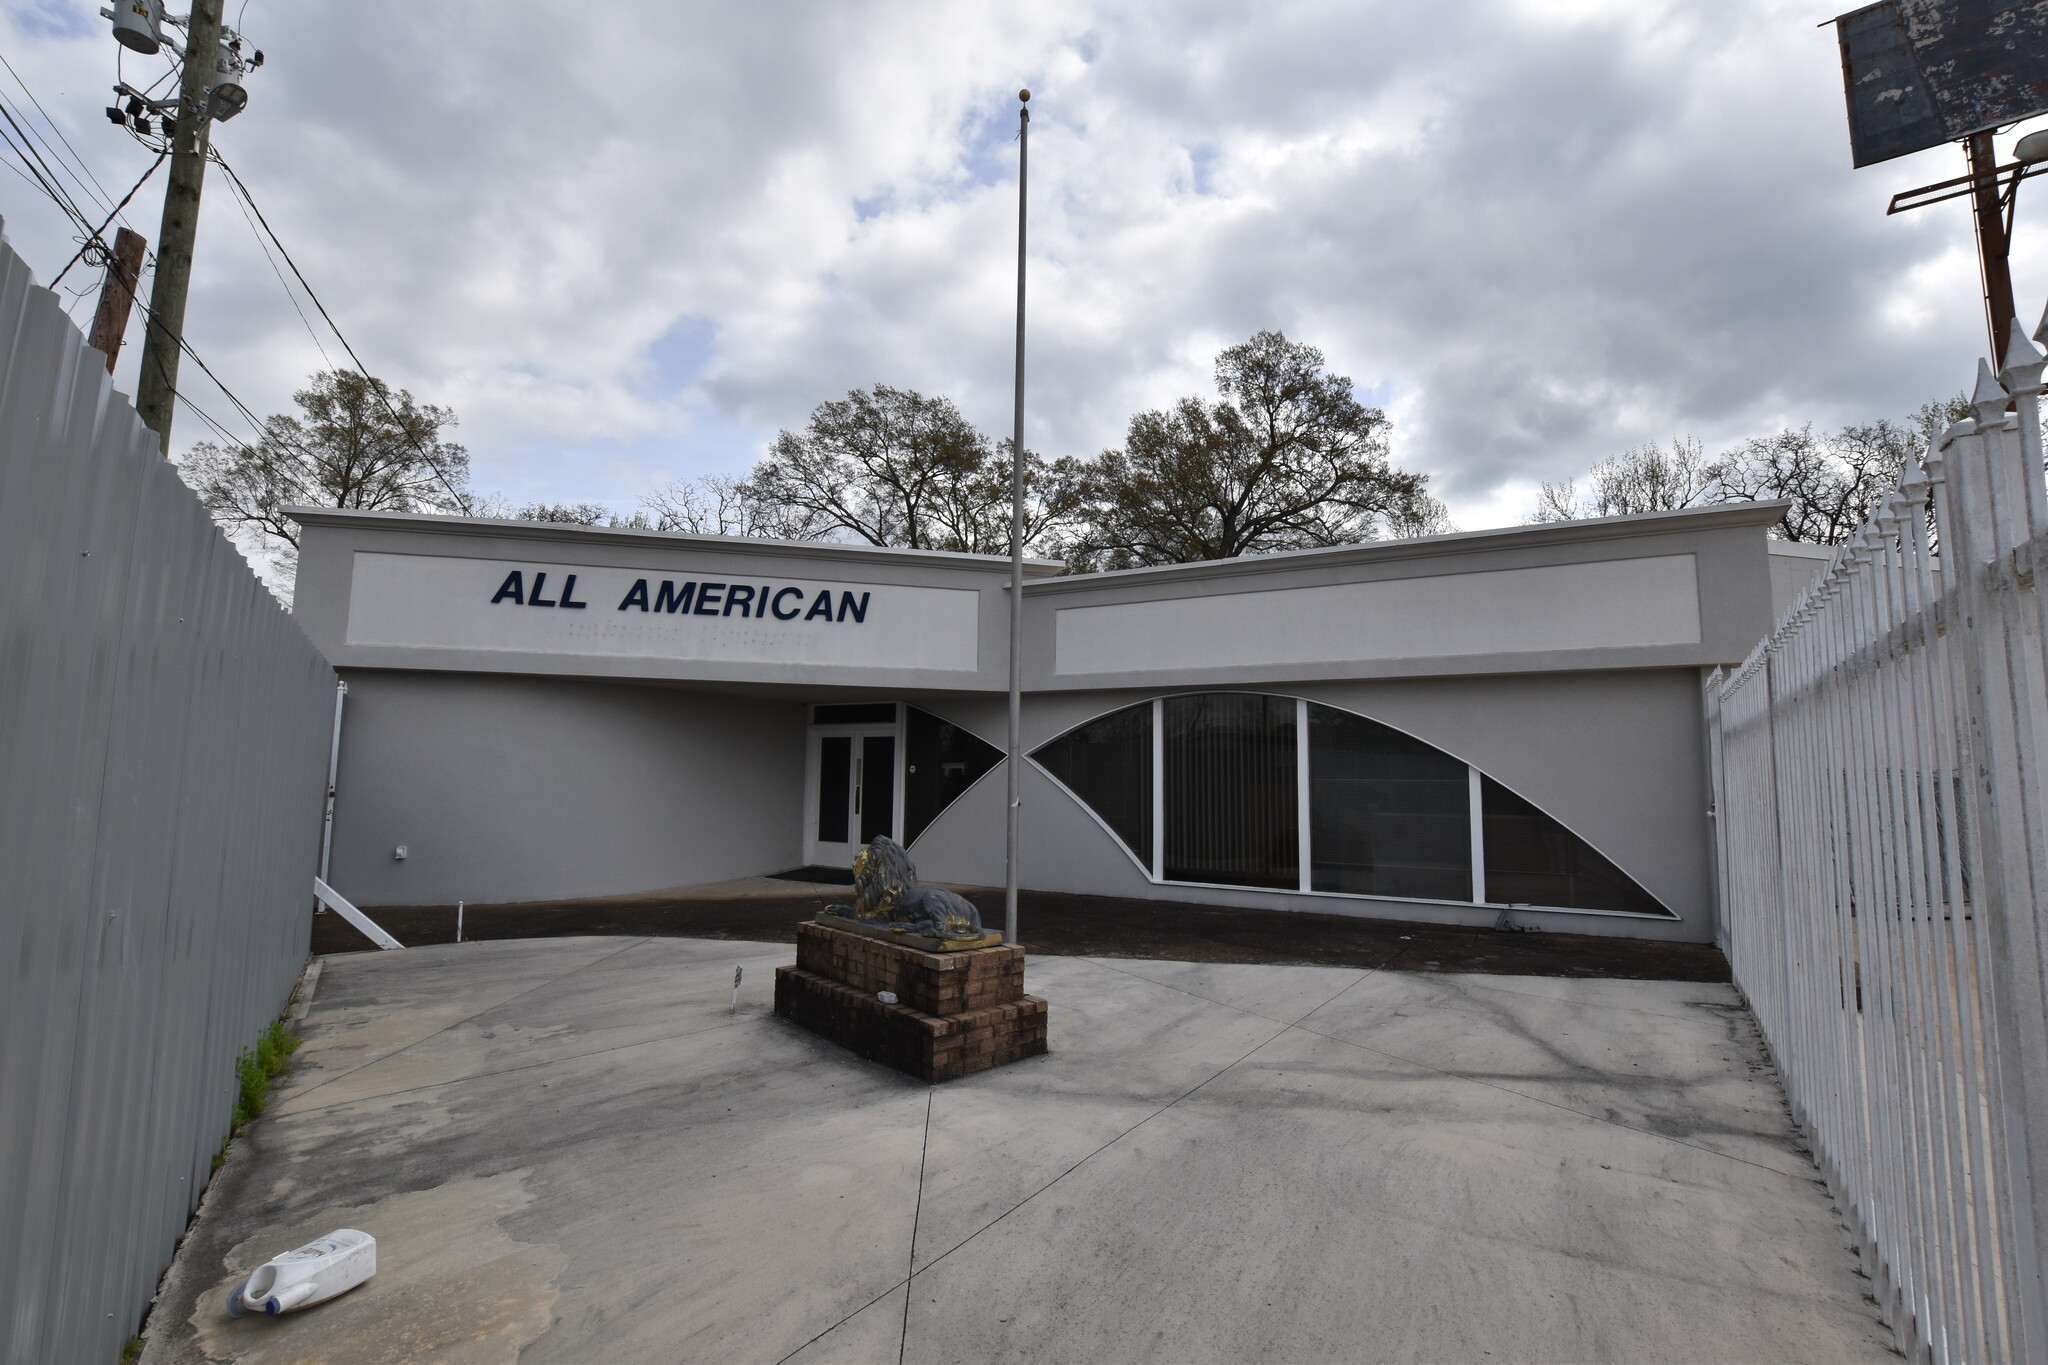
x=520 y=789
x=507 y=750
x=1616 y=757
x=1794 y=566
x=1686 y=589
x=163 y=745
x=388 y=590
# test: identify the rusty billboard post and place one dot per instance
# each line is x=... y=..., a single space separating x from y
x=1918 y=73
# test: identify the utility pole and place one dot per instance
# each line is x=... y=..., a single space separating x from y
x=117 y=295
x=1016 y=762
x=1993 y=242
x=156 y=389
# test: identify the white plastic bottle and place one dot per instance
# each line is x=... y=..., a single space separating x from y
x=317 y=1271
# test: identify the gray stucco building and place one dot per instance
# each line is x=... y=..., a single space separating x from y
x=1425 y=730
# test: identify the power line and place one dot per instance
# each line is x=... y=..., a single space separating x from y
x=461 y=499
x=121 y=74
x=20 y=172
x=77 y=160
x=34 y=170
x=29 y=145
x=37 y=145
x=207 y=418
x=96 y=239
x=185 y=346
x=40 y=168
x=282 y=284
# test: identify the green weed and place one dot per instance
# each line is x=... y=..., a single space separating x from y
x=252 y=1089
x=275 y=1048
x=131 y=1350
x=256 y=1068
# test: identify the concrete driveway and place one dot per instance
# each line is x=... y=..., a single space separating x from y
x=569 y=1150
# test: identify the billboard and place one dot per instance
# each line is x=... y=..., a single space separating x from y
x=1919 y=73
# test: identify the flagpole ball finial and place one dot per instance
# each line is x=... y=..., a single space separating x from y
x=1024 y=95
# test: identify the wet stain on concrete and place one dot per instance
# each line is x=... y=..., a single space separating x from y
x=451 y=1285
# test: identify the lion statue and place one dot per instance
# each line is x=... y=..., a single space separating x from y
x=885 y=891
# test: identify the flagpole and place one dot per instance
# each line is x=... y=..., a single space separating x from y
x=1016 y=762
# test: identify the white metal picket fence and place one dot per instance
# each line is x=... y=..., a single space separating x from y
x=1883 y=819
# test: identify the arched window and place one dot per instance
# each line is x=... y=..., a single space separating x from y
x=1388 y=814
x=1107 y=763
x=1230 y=801
x=940 y=762
x=1282 y=793
x=1533 y=860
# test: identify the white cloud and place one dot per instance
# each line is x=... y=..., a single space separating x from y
x=629 y=242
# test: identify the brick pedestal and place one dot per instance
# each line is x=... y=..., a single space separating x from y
x=956 y=1013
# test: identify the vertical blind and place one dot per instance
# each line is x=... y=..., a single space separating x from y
x=1230 y=790
x=1387 y=814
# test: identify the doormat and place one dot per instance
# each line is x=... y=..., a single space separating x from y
x=829 y=876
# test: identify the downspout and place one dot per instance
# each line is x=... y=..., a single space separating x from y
x=333 y=767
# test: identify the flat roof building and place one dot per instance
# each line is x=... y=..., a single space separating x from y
x=1428 y=729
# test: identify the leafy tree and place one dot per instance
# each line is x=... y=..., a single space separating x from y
x=354 y=443
x=1933 y=418
x=874 y=464
x=974 y=513
x=1287 y=459
x=890 y=467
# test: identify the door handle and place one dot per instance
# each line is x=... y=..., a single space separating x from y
x=856 y=785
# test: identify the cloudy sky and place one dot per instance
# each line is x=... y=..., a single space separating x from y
x=627 y=243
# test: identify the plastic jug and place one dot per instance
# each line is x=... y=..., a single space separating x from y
x=317 y=1271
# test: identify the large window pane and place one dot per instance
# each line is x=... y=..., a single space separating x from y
x=1230 y=793
x=1532 y=859
x=1388 y=814
x=940 y=761
x=1108 y=764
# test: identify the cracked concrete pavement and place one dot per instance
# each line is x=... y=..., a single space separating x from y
x=570 y=1150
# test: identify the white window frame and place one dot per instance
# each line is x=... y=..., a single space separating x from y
x=1153 y=871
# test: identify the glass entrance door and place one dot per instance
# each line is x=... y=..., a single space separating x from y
x=853 y=792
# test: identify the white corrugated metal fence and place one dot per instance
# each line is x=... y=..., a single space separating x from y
x=163 y=735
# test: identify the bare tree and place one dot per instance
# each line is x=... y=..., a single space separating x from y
x=565 y=513
x=354 y=443
x=1644 y=479
x=1832 y=481
x=719 y=505
x=1288 y=459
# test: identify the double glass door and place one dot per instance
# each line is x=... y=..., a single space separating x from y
x=853 y=792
